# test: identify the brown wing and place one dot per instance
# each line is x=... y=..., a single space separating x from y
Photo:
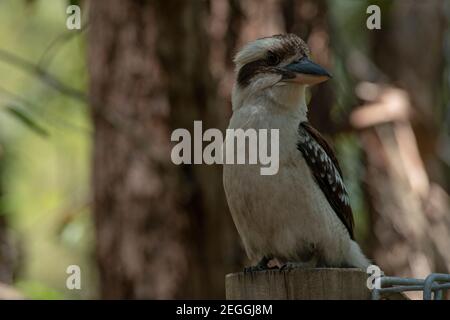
x=325 y=168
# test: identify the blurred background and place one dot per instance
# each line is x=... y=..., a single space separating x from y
x=86 y=116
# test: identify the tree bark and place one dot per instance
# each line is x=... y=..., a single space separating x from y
x=163 y=231
x=9 y=250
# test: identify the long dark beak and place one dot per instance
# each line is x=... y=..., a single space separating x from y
x=305 y=71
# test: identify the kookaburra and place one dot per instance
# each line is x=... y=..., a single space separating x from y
x=300 y=216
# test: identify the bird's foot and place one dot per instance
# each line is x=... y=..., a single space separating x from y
x=261 y=266
x=295 y=265
x=312 y=263
x=255 y=268
x=309 y=259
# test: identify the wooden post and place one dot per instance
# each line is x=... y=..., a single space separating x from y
x=301 y=284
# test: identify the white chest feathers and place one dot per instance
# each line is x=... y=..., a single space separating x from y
x=284 y=215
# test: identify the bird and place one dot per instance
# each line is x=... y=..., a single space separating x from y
x=301 y=216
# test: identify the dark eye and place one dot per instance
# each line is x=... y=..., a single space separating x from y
x=272 y=58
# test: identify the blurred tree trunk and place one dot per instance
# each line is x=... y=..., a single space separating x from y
x=163 y=231
x=409 y=49
x=409 y=213
x=9 y=255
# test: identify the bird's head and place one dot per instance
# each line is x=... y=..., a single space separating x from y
x=277 y=68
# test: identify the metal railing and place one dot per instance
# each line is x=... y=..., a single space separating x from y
x=433 y=286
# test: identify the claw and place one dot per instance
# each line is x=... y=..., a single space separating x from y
x=261 y=266
x=292 y=265
x=255 y=269
x=312 y=262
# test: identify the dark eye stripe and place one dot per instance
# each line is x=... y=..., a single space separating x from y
x=272 y=58
x=250 y=70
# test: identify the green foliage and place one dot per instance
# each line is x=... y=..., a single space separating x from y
x=74 y=2
x=46 y=181
x=26 y=119
x=38 y=290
